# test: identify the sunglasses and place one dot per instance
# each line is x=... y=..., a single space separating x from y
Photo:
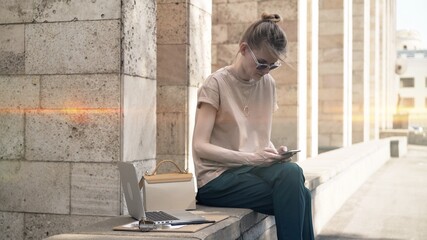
x=263 y=66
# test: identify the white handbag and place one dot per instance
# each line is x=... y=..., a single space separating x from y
x=168 y=191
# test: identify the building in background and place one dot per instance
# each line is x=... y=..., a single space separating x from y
x=408 y=40
x=412 y=78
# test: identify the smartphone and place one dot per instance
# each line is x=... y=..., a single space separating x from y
x=290 y=153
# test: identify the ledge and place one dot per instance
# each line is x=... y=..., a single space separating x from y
x=332 y=177
x=240 y=223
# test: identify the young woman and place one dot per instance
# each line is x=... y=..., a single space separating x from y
x=236 y=163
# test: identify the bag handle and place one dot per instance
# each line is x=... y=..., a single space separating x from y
x=162 y=162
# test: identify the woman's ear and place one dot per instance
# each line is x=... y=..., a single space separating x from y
x=243 y=46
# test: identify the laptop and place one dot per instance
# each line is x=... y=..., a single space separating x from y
x=134 y=201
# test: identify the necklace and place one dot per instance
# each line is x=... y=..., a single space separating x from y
x=246 y=102
x=245 y=97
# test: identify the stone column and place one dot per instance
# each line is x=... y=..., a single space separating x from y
x=379 y=93
x=361 y=70
x=139 y=83
x=302 y=85
x=183 y=62
x=383 y=63
x=77 y=95
x=313 y=96
x=334 y=74
x=366 y=69
x=391 y=88
x=375 y=68
x=348 y=73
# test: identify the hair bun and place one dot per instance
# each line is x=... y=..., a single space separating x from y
x=271 y=17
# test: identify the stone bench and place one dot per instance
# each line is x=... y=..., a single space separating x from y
x=241 y=224
x=335 y=175
x=331 y=176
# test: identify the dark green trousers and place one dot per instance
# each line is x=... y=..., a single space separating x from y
x=275 y=190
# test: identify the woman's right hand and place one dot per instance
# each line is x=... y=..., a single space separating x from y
x=264 y=157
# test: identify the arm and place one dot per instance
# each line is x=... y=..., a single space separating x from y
x=205 y=120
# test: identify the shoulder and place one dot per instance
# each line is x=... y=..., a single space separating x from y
x=268 y=81
x=269 y=78
x=270 y=84
x=216 y=79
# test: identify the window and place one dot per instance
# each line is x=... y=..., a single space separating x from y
x=407 y=103
x=407 y=82
x=426 y=82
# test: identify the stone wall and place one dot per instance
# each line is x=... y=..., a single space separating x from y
x=71 y=78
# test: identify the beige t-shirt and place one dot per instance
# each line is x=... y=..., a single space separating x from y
x=243 y=119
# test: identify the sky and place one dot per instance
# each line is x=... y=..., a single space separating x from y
x=412 y=15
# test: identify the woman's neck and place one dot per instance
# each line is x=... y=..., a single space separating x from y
x=238 y=71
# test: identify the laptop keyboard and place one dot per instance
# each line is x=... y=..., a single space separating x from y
x=159 y=216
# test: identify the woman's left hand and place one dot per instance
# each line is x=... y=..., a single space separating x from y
x=282 y=149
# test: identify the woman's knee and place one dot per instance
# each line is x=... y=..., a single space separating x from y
x=291 y=169
x=288 y=172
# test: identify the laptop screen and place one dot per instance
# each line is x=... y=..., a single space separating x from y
x=131 y=190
